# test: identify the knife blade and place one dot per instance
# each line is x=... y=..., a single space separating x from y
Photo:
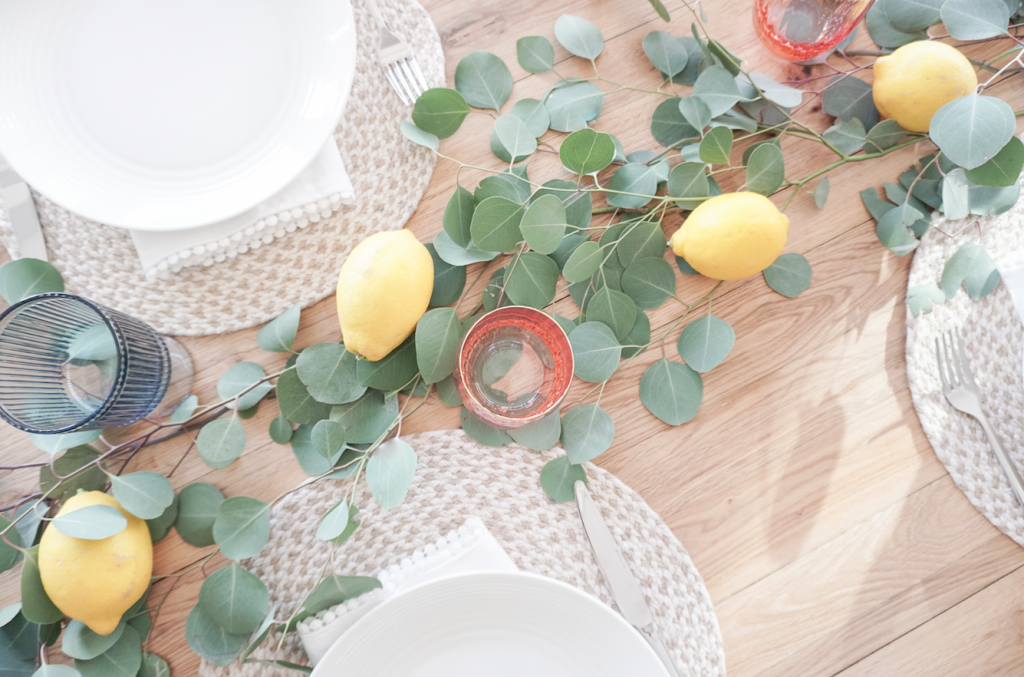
x=21 y=211
x=625 y=588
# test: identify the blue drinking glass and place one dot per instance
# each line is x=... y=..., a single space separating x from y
x=69 y=364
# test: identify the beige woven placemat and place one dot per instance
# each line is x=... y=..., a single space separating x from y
x=993 y=337
x=389 y=175
x=457 y=478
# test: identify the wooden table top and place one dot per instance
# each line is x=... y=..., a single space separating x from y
x=830 y=537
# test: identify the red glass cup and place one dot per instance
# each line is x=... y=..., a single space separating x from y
x=799 y=30
x=514 y=367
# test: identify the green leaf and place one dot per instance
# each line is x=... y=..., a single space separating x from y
x=660 y=9
x=94 y=522
x=234 y=599
x=535 y=54
x=9 y=612
x=36 y=606
x=583 y=262
x=734 y=120
x=989 y=201
x=848 y=137
x=159 y=526
x=730 y=61
x=242 y=527
x=328 y=371
x=448 y=393
x=689 y=182
x=328 y=439
x=922 y=297
x=696 y=112
x=515 y=137
x=483 y=80
x=143 y=494
x=54 y=670
x=494 y=186
x=972 y=267
x=334 y=522
x=882 y=31
x=68 y=464
x=640 y=241
x=911 y=16
x=783 y=95
x=24 y=277
x=632 y=186
x=1003 y=169
x=495 y=225
x=766 y=169
x=892 y=230
x=197 y=511
x=544 y=223
x=534 y=113
x=540 y=435
x=883 y=136
x=972 y=129
x=558 y=478
x=614 y=309
x=665 y=52
x=279 y=335
x=974 y=19
x=649 y=282
x=154 y=666
x=438 y=335
x=639 y=336
x=531 y=282
x=393 y=371
x=587 y=432
x=280 y=429
x=595 y=350
x=586 y=151
x=481 y=432
x=956 y=195
x=579 y=36
x=183 y=411
x=668 y=126
x=440 y=111
x=51 y=444
x=572 y=106
x=123 y=659
x=716 y=146
x=449 y=280
x=705 y=342
x=221 y=442
x=847 y=98
x=368 y=418
x=717 y=89
x=455 y=255
x=311 y=462
x=215 y=644
x=874 y=204
x=297 y=404
x=458 y=215
x=418 y=136
x=337 y=589
x=821 y=193
x=390 y=471
x=95 y=343
x=789 y=275
x=671 y=391
x=240 y=377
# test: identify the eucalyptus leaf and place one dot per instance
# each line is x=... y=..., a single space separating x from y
x=534 y=113
x=154 y=666
x=336 y=589
x=328 y=371
x=579 y=36
x=789 y=275
x=310 y=460
x=94 y=522
x=587 y=432
x=783 y=95
x=515 y=137
x=649 y=282
x=483 y=80
x=123 y=659
x=765 y=170
x=530 y=281
x=732 y=119
x=893 y=233
x=485 y=434
x=883 y=136
x=688 y=182
x=729 y=61
x=535 y=53
x=393 y=371
x=705 y=342
x=9 y=612
x=197 y=511
x=52 y=444
x=495 y=225
x=418 y=136
x=368 y=418
x=875 y=205
x=716 y=88
x=143 y=494
x=544 y=223
x=558 y=479
x=242 y=527
x=989 y=201
x=297 y=404
x=715 y=146
x=328 y=438
x=694 y=61
x=847 y=98
x=26 y=277
x=669 y=126
x=438 y=335
x=1003 y=169
x=183 y=411
x=586 y=151
x=448 y=393
x=209 y=640
x=956 y=195
x=641 y=240
x=665 y=52
x=848 y=137
x=279 y=334
x=571 y=107
x=973 y=19
x=639 y=336
x=70 y=463
x=456 y=255
x=540 y=435
x=632 y=186
x=390 y=471
x=695 y=112
x=922 y=297
x=234 y=599
x=36 y=606
x=440 y=111
x=220 y=442
x=972 y=267
x=821 y=193
x=972 y=129
x=458 y=215
x=18 y=642
x=583 y=262
x=614 y=309
x=596 y=351
x=56 y=670
x=495 y=186
x=95 y=343
x=334 y=522
x=671 y=391
x=280 y=429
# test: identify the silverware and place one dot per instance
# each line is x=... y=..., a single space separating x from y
x=398 y=62
x=626 y=590
x=21 y=211
x=963 y=393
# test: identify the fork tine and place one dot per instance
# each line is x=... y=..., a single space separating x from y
x=965 y=363
x=941 y=363
x=419 y=73
x=410 y=79
x=395 y=86
x=947 y=355
x=399 y=74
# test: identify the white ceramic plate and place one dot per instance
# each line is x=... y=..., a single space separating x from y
x=167 y=115
x=491 y=625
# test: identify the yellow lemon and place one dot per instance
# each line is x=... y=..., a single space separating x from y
x=95 y=582
x=918 y=79
x=732 y=236
x=383 y=290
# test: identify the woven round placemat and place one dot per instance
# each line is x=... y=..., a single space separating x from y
x=993 y=337
x=389 y=175
x=457 y=478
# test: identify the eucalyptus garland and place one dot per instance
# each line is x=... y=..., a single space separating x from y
x=599 y=225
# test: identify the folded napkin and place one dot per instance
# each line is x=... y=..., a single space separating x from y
x=469 y=548
x=314 y=194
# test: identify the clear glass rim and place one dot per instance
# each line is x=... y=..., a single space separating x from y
x=122 y=372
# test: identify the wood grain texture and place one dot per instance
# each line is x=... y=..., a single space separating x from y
x=830 y=537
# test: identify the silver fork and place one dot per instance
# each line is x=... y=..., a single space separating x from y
x=962 y=392
x=399 y=64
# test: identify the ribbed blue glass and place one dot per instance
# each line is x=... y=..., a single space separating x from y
x=69 y=364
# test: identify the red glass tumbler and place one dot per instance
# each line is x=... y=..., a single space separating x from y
x=799 y=30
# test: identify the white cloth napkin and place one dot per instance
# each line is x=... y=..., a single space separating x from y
x=314 y=194
x=469 y=548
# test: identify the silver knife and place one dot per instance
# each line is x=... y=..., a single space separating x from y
x=626 y=590
x=21 y=211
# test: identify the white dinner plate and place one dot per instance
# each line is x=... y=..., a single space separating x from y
x=169 y=114
x=491 y=624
